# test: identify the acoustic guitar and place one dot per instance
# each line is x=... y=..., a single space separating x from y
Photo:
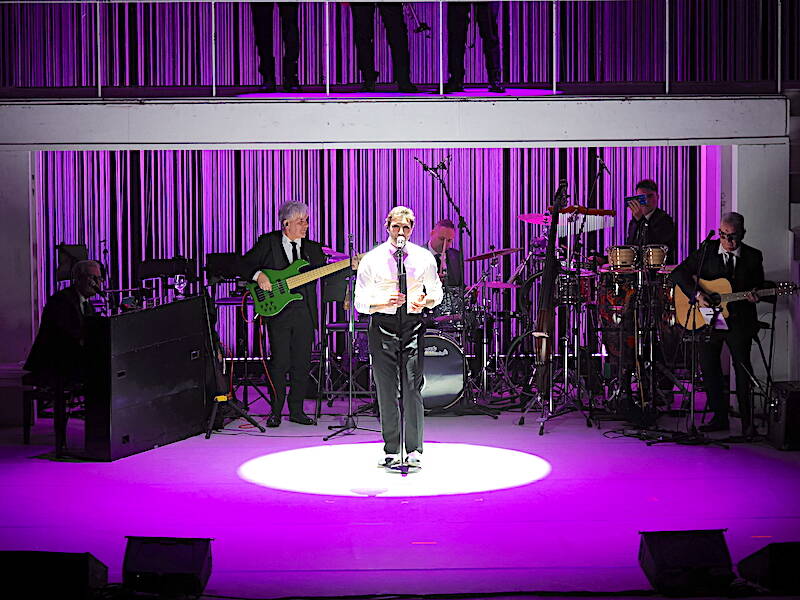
x=269 y=304
x=720 y=294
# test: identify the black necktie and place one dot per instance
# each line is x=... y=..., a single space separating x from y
x=87 y=308
x=295 y=255
x=730 y=266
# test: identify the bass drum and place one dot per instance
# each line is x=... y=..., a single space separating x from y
x=442 y=371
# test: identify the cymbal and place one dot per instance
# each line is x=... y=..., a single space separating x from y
x=492 y=254
x=666 y=269
x=334 y=254
x=535 y=218
x=499 y=285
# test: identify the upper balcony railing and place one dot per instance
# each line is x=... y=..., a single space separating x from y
x=111 y=49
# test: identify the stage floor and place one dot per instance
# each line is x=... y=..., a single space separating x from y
x=575 y=528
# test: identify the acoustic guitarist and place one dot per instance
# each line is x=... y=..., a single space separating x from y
x=743 y=266
x=291 y=332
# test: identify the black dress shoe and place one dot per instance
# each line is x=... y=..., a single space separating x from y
x=268 y=87
x=368 y=85
x=273 y=421
x=496 y=87
x=451 y=87
x=291 y=86
x=407 y=87
x=302 y=419
x=714 y=426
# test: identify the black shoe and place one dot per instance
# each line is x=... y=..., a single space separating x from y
x=407 y=87
x=291 y=85
x=268 y=87
x=302 y=419
x=451 y=87
x=274 y=421
x=368 y=85
x=714 y=425
x=496 y=87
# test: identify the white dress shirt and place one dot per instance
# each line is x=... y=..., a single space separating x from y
x=726 y=256
x=377 y=278
x=287 y=247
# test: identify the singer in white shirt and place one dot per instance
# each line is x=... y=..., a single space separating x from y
x=396 y=322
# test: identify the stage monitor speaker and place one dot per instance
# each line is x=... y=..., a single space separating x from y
x=783 y=415
x=684 y=563
x=167 y=566
x=774 y=567
x=62 y=575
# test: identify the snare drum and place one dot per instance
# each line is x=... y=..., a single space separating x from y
x=442 y=371
x=655 y=256
x=621 y=257
x=447 y=314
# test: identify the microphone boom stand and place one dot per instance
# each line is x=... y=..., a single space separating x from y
x=349 y=424
x=471 y=403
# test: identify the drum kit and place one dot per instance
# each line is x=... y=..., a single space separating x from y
x=479 y=339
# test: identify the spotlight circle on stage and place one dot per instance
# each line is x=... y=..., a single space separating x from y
x=352 y=470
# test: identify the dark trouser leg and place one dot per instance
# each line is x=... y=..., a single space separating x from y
x=739 y=343
x=486 y=15
x=457 y=21
x=397 y=35
x=280 y=334
x=262 y=28
x=364 y=34
x=708 y=353
x=383 y=345
x=301 y=341
x=290 y=32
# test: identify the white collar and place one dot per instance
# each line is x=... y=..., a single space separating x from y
x=287 y=241
x=737 y=253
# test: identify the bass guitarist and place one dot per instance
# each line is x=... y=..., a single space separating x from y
x=291 y=332
x=743 y=266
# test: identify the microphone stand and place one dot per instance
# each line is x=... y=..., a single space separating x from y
x=468 y=394
x=403 y=467
x=693 y=436
x=349 y=424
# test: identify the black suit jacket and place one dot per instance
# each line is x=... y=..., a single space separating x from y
x=267 y=253
x=57 y=350
x=658 y=229
x=749 y=274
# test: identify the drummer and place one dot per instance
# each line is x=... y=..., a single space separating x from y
x=649 y=224
x=440 y=243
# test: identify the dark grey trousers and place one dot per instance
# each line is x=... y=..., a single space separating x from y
x=384 y=343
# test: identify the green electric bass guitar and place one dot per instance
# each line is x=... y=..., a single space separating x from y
x=269 y=304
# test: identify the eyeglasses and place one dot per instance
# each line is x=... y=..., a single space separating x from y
x=733 y=237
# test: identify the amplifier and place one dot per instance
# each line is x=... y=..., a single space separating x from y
x=783 y=415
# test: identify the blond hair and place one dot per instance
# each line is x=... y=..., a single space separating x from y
x=400 y=212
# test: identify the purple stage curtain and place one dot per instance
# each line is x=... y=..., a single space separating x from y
x=127 y=206
x=169 y=44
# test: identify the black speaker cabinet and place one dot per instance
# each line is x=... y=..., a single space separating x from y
x=168 y=566
x=686 y=563
x=774 y=567
x=63 y=575
x=146 y=385
x=783 y=414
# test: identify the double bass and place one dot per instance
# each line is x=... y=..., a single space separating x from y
x=545 y=318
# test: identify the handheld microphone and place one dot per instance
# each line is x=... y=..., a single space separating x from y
x=708 y=237
x=97 y=290
x=400 y=242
